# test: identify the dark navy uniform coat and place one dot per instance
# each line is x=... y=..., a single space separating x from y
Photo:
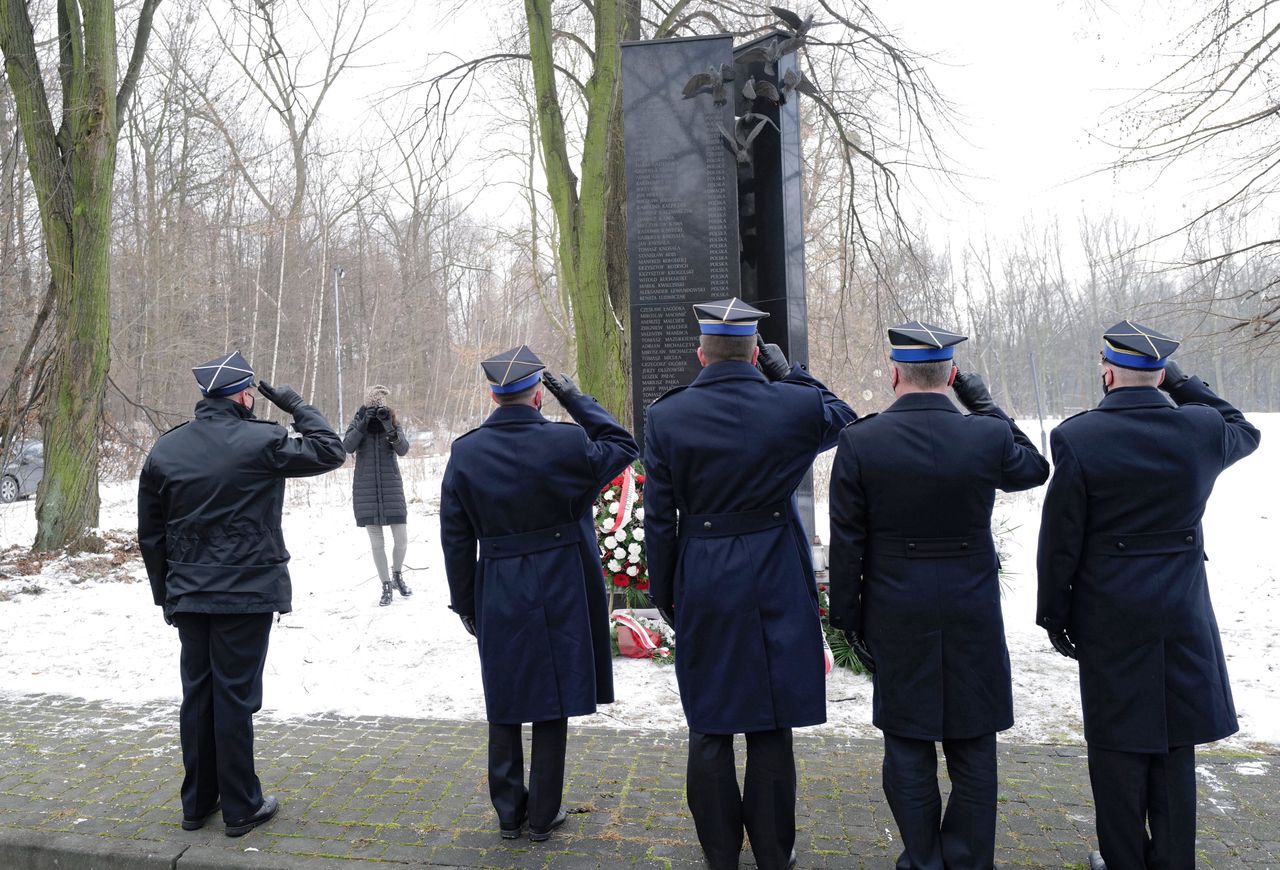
x=1121 y=563
x=521 y=555
x=913 y=566
x=209 y=502
x=725 y=546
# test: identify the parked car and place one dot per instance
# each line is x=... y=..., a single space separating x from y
x=22 y=474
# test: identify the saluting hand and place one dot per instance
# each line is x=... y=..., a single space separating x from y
x=972 y=392
x=562 y=387
x=772 y=361
x=1174 y=377
x=285 y=398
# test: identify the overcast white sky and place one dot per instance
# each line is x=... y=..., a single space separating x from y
x=1034 y=82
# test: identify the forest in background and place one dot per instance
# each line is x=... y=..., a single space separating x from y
x=236 y=208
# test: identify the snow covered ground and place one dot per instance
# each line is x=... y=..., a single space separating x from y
x=87 y=627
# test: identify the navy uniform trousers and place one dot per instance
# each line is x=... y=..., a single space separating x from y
x=766 y=806
x=223 y=655
x=540 y=802
x=1134 y=790
x=962 y=837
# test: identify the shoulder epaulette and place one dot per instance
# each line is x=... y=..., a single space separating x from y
x=669 y=392
x=176 y=428
x=864 y=418
x=1077 y=414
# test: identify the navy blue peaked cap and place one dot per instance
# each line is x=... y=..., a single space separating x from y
x=224 y=376
x=728 y=317
x=1134 y=346
x=513 y=370
x=922 y=342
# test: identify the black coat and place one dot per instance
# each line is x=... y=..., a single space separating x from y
x=521 y=556
x=1121 y=563
x=913 y=566
x=725 y=546
x=209 y=503
x=377 y=492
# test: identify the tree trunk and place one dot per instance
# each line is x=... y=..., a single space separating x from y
x=72 y=167
x=582 y=218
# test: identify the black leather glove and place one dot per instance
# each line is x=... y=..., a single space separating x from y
x=469 y=623
x=1174 y=377
x=168 y=620
x=772 y=361
x=285 y=398
x=668 y=616
x=362 y=419
x=860 y=650
x=1062 y=642
x=973 y=393
x=562 y=387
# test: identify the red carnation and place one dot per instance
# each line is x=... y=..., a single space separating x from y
x=822 y=611
x=639 y=478
x=617 y=481
x=642 y=584
x=621 y=580
x=822 y=587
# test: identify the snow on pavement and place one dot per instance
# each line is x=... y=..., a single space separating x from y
x=92 y=631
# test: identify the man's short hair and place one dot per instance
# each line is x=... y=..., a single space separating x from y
x=725 y=348
x=520 y=398
x=929 y=375
x=1136 y=377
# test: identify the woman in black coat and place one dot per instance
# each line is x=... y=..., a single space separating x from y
x=377 y=493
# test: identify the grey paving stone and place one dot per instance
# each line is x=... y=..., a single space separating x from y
x=367 y=792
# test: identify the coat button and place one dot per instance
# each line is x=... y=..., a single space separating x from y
x=1190 y=539
x=911 y=546
x=1119 y=545
x=964 y=545
x=557 y=534
x=707 y=524
x=776 y=515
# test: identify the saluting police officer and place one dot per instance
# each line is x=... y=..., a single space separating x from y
x=209 y=503
x=914 y=584
x=1123 y=589
x=729 y=565
x=520 y=490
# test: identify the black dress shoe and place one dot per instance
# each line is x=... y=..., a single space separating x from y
x=538 y=836
x=513 y=833
x=266 y=812
x=190 y=824
x=1096 y=862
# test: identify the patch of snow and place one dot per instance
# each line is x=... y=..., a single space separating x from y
x=96 y=634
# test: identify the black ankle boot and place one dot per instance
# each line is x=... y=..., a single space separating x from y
x=400 y=585
x=386 y=595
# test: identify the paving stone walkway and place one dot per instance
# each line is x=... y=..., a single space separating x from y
x=79 y=778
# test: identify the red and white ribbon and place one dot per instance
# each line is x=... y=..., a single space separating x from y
x=626 y=499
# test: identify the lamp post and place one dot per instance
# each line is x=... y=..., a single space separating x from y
x=338 y=274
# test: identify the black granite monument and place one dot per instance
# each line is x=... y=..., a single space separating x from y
x=714 y=203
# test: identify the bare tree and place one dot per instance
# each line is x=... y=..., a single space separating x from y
x=1217 y=107
x=72 y=164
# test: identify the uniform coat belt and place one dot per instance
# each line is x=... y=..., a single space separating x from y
x=741 y=523
x=931 y=548
x=1147 y=544
x=530 y=542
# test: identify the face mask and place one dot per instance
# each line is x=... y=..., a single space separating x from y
x=1105 y=389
